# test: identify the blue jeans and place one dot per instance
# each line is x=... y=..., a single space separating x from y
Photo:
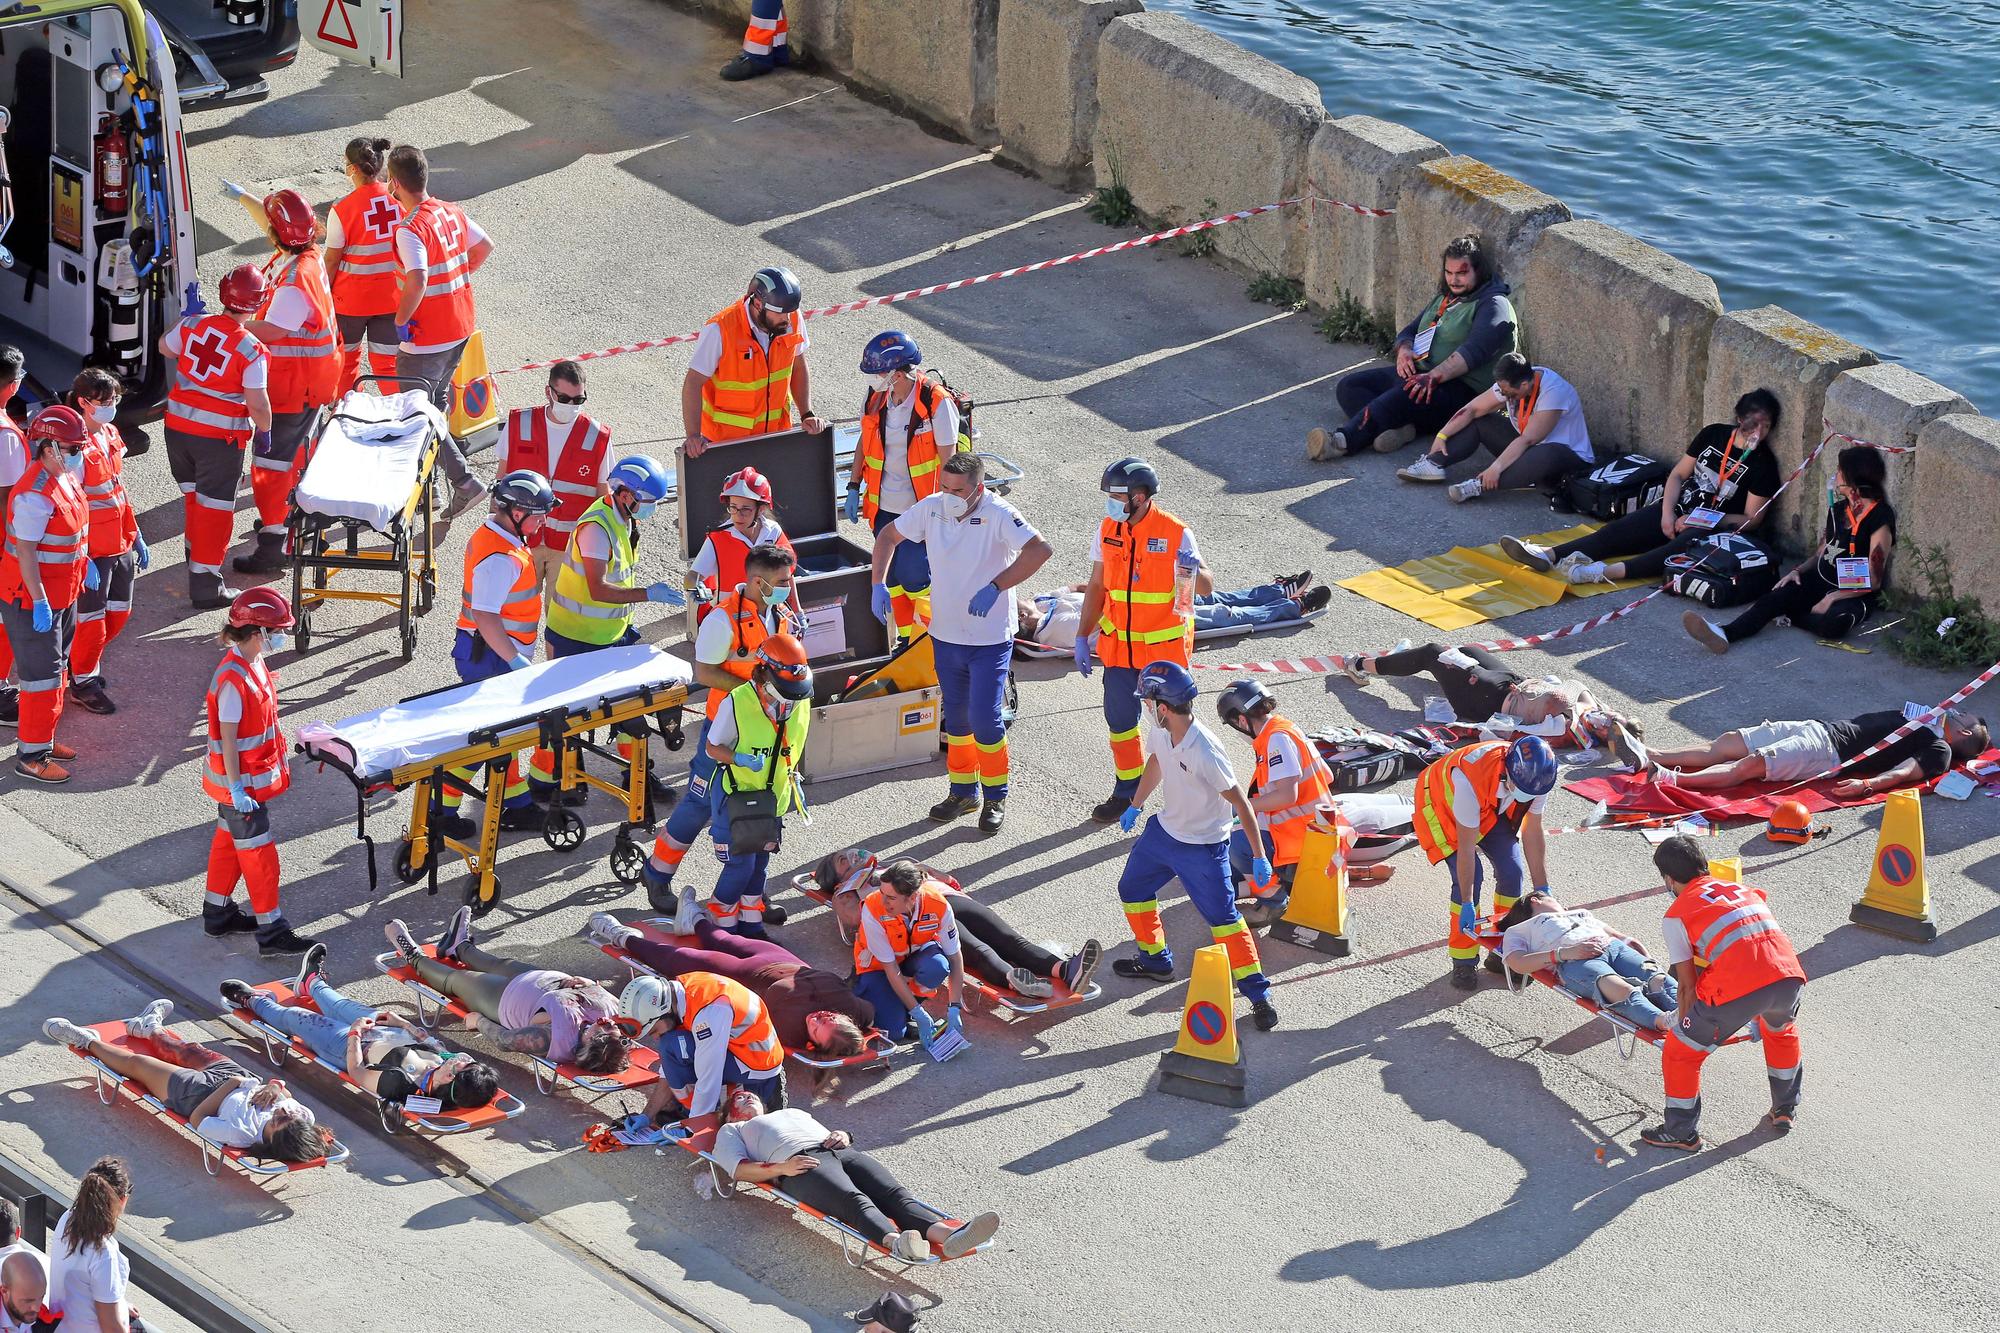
x=739 y=889
x=676 y=1051
x=1158 y=858
x=1260 y=605
x=326 y=1031
x=1621 y=959
x=926 y=969
x=973 y=681
x=684 y=824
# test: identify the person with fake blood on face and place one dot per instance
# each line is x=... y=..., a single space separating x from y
x=45 y=568
x=116 y=548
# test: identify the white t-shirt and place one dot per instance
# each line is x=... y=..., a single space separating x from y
x=1193 y=777
x=239 y=1124
x=256 y=375
x=411 y=257
x=770 y=1138
x=1465 y=801
x=898 y=491
x=708 y=345
x=493 y=578
x=1559 y=395
x=96 y=1273
x=1058 y=615
x=1546 y=932
x=13 y=455
x=967 y=554
x=9 y=1324
x=229 y=697
x=713 y=640
x=290 y=310
x=705 y=564
x=28 y=516
x=592 y=542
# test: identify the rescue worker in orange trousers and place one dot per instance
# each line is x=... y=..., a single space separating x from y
x=361 y=261
x=1189 y=840
x=906 y=948
x=1734 y=967
x=14 y=465
x=44 y=570
x=1485 y=797
x=748 y=369
x=557 y=439
x=909 y=424
x=709 y=1032
x=1291 y=785
x=756 y=739
x=116 y=548
x=1138 y=608
x=246 y=768
x=297 y=327
x=219 y=399
x=765 y=46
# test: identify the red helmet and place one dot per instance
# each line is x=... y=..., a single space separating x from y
x=64 y=425
x=266 y=608
x=291 y=217
x=749 y=484
x=244 y=288
x=783 y=658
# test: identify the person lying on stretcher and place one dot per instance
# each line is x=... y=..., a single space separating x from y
x=1482 y=689
x=533 y=1010
x=1050 y=619
x=994 y=951
x=1590 y=958
x=1793 y=751
x=380 y=1050
x=224 y=1102
x=822 y=1169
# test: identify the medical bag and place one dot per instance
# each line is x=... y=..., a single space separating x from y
x=1614 y=489
x=1722 y=569
x=1360 y=759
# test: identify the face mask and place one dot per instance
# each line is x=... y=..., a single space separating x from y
x=883 y=382
x=562 y=413
x=276 y=641
x=73 y=464
x=646 y=509
x=954 y=506
x=103 y=413
x=777 y=597
x=1115 y=509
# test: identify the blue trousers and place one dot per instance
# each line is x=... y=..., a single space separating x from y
x=1203 y=870
x=476 y=661
x=926 y=968
x=1502 y=846
x=676 y=1051
x=563 y=646
x=1260 y=605
x=764 y=38
x=684 y=824
x=973 y=682
x=739 y=889
x=1121 y=719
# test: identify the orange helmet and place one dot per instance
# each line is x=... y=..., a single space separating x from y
x=243 y=289
x=64 y=425
x=266 y=608
x=292 y=222
x=1791 y=822
x=783 y=659
x=748 y=484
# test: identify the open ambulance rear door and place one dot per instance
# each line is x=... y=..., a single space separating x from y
x=360 y=32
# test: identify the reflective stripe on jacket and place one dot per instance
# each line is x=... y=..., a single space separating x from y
x=573 y=612
x=60 y=553
x=260 y=745
x=1138 y=624
x=1484 y=764
x=207 y=395
x=572 y=467
x=750 y=392
x=364 y=283
x=1288 y=826
x=1738 y=947
x=521 y=616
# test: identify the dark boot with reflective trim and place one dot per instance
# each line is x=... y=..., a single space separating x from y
x=266 y=557
x=207 y=590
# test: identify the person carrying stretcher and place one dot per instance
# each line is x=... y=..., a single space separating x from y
x=1590 y=958
x=709 y=1031
x=1291 y=785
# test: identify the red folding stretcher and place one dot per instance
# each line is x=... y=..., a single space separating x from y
x=644 y=1067
x=395 y=1116
x=213 y=1154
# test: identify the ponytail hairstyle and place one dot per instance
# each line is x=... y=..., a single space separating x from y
x=93 y=1218
x=369 y=156
x=299 y=1140
x=234 y=635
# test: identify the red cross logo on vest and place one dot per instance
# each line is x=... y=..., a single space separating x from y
x=206 y=354
x=449 y=231
x=381 y=218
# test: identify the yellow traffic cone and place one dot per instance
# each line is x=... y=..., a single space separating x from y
x=1206 y=1063
x=475 y=400
x=1728 y=869
x=1316 y=917
x=1897 y=900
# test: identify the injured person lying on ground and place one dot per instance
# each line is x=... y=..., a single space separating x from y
x=822 y=1169
x=1591 y=959
x=1482 y=689
x=1797 y=750
x=1049 y=619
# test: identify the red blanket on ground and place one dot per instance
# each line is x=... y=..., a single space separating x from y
x=1630 y=794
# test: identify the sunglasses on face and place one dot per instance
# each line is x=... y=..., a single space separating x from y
x=576 y=399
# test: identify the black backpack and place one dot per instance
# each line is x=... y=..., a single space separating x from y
x=1722 y=569
x=1360 y=759
x=1614 y=489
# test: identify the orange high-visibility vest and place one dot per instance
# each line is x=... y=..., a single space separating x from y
x=364 y=283
x=753 y=1040
x=445 y=314
x=207 y=393
x=906 y=934
x=750 y=392
x=1737 y=945
x=572 y=467
x=922 y=456
x=60 y=552
x=521 y=616
x=305 y=365
x=1288 y=826
x=113 y=524
x=1138 y=625
x=746 y=635
x=1485 y=765
x=260 y=746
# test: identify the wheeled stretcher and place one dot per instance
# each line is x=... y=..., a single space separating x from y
x=432 y=1007
x=213 y=1154
x=395 y=1116
x=368 y=471
x=414 y=745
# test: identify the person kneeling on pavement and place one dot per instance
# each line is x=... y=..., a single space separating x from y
x=1531 y=421
x=1793 y=751
x=1291 y=785
x=822 y=1169
x=908 y=948
x=1050 y=619
x=709 y=1031
x=1591 y=959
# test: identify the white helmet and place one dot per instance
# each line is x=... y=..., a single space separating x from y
x=647 y=999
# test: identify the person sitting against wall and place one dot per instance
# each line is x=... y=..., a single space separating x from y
x=1050 y=619
x=1531 y=421
x=1721 y=484
x=1794 y=750
x=1833 y=590
x=1590 y=958
x=1444 y=359
x=1481 y=688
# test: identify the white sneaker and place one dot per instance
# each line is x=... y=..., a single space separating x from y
x=1424 y=469
x=911 y=1248
x=148 y=1021
x=1706 y=631
x=65 y=1033
x=1586 y=571
x=1631 y=751
x=402 y=941
x=1345 y=666
x=970 y=1236
x=1469 y=489
x=1538 y=558
x=605 y=928
x=687 y=911
x=1457 y=657
x=1024 y=982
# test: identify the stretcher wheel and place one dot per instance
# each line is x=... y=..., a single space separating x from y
x=408 y=870
x=562 y=830
x=481 y=906
x=1010 y=707
x=674 y=735
x=627 y=860
x=409 y=639
x=427 y=591
x=406 y=619
x=302 y=632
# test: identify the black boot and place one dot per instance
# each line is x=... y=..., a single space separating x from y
x=1110 y=808
x=228 y=919
x=207 y=590
x=745 y=66
x=266 y=557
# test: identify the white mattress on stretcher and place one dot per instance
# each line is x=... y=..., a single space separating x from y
x=423 y=730
x=365 y=463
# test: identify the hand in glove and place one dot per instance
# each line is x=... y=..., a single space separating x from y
x=745 y=759
x=45 y=619
x=142 y=552
x=954 y=1021
x=1082 y=654
x=1260 y=873
x=239 y=797
x=1468 y=916
x=519 y=662
x=850 y=508
x=982 y=601
x=92 y=579
x=665 y=592
x=407 y=332
x=926 y=1025
x=193 y=307
x=1128 y=820
x=879 y=601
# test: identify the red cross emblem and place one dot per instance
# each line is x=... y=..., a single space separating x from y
x=206 y=354
x=380 y=218
x=450 y=232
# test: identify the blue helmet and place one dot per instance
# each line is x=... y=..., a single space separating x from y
x=1129 y=474
x=1170 y=683
x=642 y=475
x=779 y=288
x=523 y=489
x=892 y=350
x=1531 y=766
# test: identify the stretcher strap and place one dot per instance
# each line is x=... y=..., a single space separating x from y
x=361 y=832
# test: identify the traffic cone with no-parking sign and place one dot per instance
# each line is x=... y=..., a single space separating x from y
x=1897 y=900
x=1206 y=1063
x=1316 y=917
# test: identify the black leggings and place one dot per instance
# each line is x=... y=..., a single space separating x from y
x=855 y=1188
x=991 y=946
x=1475 y=694
x=1797 y=601
x=1538 y=463
x=1635 y=539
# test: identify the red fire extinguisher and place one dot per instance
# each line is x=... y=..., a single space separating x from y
x=114 y=166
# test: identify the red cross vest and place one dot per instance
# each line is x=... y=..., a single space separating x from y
x=60 y=552
x=731 y=554
x=445 y=314
x=305 y=366
x=207 y=393
x=113 y=525
x=364 y=282
x=573 y=470
x=260 y=746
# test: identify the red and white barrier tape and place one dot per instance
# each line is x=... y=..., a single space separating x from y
x=848 y=307
x=1832 y=434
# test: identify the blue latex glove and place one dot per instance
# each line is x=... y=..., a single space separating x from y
x=92 y=579
x=193 y=307
x=1468 y=916
x=982 y=601
x=636 y=1123
x=926 y=1025
x=407 y=332
x=850 y=508
x=1260 y=872
x=954 y=1021
x=1539 y=888
x=745 y=759
x=143 y=552
x=239 y=797
x=260 y=444
x=1081 y=652
x=665 y=592
x=879 y=601
x=519 y=662
x=1129 y=820
x=45 y=619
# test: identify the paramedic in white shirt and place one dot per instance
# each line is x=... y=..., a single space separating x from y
x=1189 y=840
x=980 y=547
x=1592 y=959
x=1531 y=421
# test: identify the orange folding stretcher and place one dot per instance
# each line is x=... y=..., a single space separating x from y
x=213 y=1154
x=432 y=1006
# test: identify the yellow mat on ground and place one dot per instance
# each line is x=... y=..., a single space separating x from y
x=1467 y=584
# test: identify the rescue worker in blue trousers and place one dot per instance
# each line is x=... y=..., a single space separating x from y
x=1189 y=840
x=756 y=741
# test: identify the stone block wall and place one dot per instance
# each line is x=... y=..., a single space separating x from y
x=938 y=59
x=1957 y=494
x=1891 y=405
x=1046 y=98
x=1451 y=196
x=1370 y=162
